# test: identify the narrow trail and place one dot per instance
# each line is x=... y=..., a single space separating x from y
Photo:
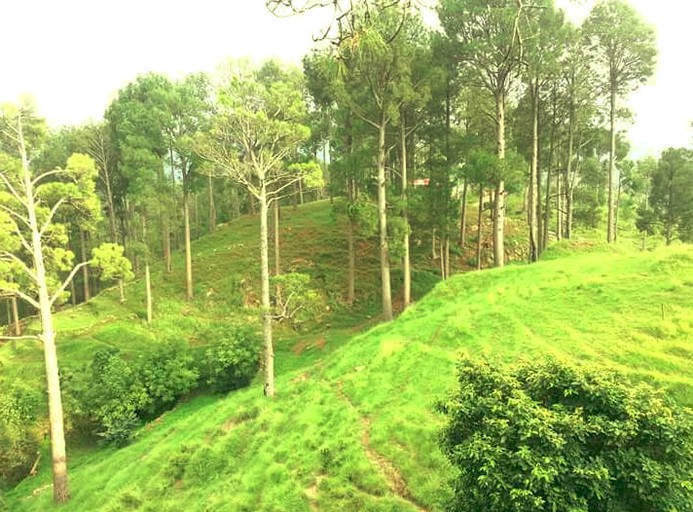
x=392 y=475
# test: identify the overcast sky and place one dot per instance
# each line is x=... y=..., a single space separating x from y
x=73 y=55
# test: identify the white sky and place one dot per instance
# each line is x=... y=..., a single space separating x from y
x=73 y=55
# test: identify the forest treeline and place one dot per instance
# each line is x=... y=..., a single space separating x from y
x=410 y=125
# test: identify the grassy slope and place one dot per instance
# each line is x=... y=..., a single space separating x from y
x=356 y=430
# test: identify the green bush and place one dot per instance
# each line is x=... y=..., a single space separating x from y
x=232 y=357
x=19 y=439
x=167 y=372
x=547 y=436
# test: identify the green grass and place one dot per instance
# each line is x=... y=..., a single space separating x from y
x=352 y=426
x=350 y=408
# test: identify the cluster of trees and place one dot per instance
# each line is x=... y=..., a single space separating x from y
x=509 y=97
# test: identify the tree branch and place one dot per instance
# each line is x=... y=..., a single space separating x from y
x=51 y=215
x=27 y=337
x=8 y=256
x=38 y=178
x=12 y=190
x=21 y=295
x=67 y=281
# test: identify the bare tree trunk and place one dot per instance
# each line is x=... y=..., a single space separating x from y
x=148 y=287
x=499 y=198
x=61 y=493
x=559 y=207
x=277 y=247
x=547 y=192
x=382 y=217
x=434 y=245
x=266 y=306
x=405 y=215
x=121 y=291
x=165 y=233
x=235 y=203
x=534 y=178
x=478 y=227
x=447 y=256
x=300 y=191
x=212 y=221
x=85 y=270
x=463 y=213
x=111 y=209
x=147 y=276
x=188 y=249
x=569 y=174
x=351 y=285
x=610 y=219
x=15 y=316
x=73 y=293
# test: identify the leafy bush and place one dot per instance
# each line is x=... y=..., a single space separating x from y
x=547 y=436
x=19 y=440
x=232 y=357
x=167 y=372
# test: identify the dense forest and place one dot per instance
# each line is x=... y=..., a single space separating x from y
x=473 y=143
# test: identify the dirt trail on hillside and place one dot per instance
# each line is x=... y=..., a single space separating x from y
x=392 y=475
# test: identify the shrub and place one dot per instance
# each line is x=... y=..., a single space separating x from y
x=547 y=436
x=19 y=440
x=231 y=359
x=111 y=397
x=167 y=372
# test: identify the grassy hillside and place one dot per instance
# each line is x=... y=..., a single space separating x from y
x=353 y=427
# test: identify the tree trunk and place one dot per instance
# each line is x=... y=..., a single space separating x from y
x=111 y=209
x=382 y=217
x=569 y=174
x=463 y=214
x=61 y=493
x=277 y=246
x=85 y=270
x=268 y=348
x=212 y=221
x=547 y=192
x=300 y=191
x=351 y=295
x=534 y=178
x=447 y=256
x=73 y=293
x=15 y=316
x=478 y=227
x=235 y=203
x=405 y=215
x=166 y=239
x=121 y=291
x=188 y=249
x=148 y=287
x=499 y=198
x=559 y=206
x=611 y=213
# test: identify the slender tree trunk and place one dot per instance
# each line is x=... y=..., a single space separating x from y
x=499 y=198
x=15 y=316
x=111 y=209
x=382 y=217
x=188 y=249
x=147 y=276
x=166 y=239
x=300 y=191
x=266 y=306
x=351 y=292
x=121 y=291
x=434 y=245
x=559 y=206
x=73 y=293
x=85 y=270
x=447 y=256
x=61 y=492
x=212 y=207
x=277 y=245
x=478 y=226
x=405 y=215
x=611 y=209
x=463 y=213
x=547 y=192
x=148 y=287
x=569 y=174
x=534 y=178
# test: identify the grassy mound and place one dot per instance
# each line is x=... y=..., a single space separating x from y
x=356 y=430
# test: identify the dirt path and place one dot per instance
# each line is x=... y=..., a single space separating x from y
x=392 y=475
